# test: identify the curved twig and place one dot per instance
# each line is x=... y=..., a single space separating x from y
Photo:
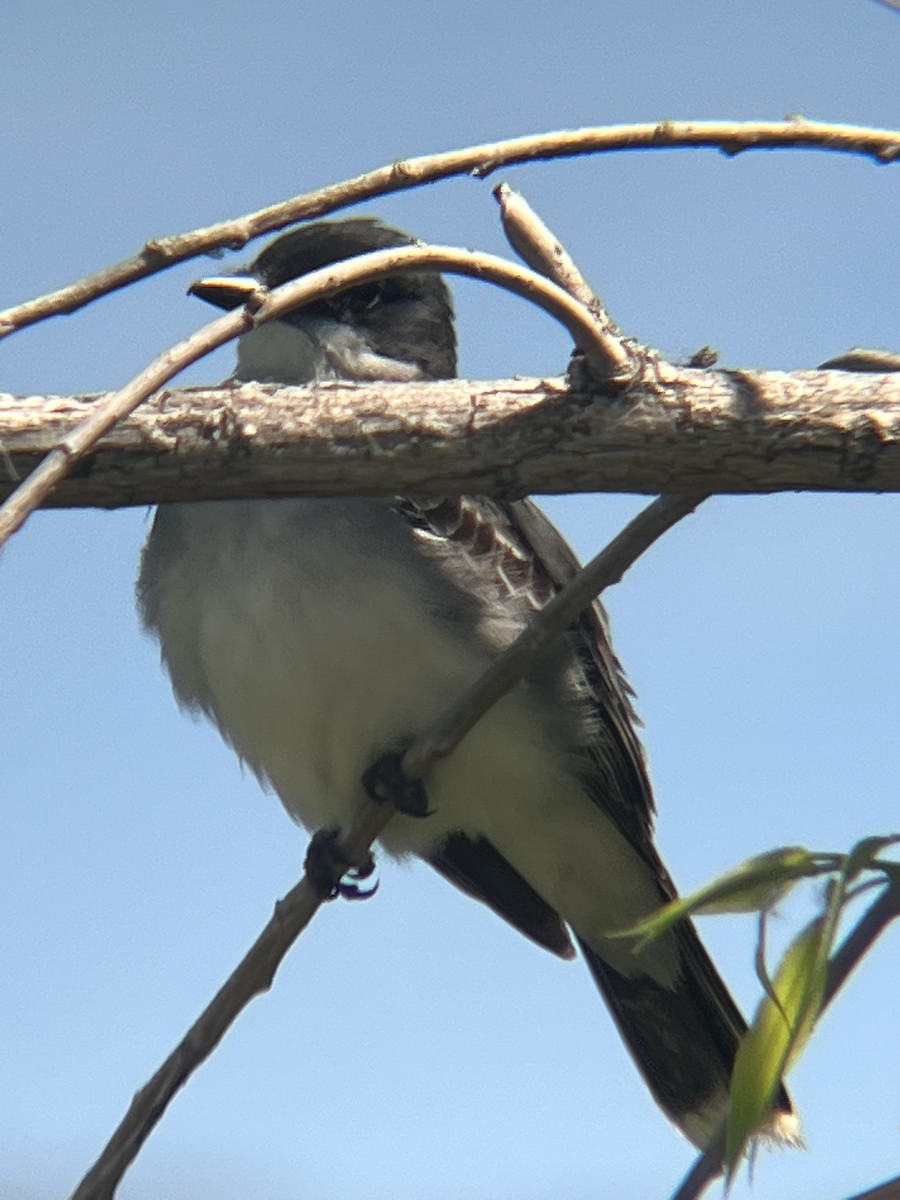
x=731 y=137
x=267 y=306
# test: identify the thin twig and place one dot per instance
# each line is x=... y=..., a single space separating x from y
x=860 y=939
x=859 y=359
x=257 y=970
x=706 y=1169
x=606 y=568
x=317 y=284
x=732 y=137
x=889 y=1190
x=35 y=489
x=253 y=975
x=608 y=356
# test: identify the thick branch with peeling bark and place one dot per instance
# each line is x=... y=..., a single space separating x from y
x=697 y=431
x=264 y=306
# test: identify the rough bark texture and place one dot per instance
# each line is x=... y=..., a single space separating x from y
x=696 y=432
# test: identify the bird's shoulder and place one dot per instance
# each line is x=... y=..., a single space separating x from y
x=514 y=558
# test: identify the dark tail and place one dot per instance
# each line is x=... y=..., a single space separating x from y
x=684 y=1038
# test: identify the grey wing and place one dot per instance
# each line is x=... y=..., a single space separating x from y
x=518 y=561
x=615 y=769
x=514 y=559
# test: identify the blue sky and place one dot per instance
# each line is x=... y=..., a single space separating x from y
x=414 y=1045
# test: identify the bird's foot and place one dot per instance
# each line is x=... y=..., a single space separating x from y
x=386 y=782
x=332 y=874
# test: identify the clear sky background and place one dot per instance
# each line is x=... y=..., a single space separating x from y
x=415 y=1046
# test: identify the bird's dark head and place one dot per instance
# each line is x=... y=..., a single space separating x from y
x=397 y=327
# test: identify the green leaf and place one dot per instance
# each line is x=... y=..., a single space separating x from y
x=755 y=885
x=780 y=1030
x=787 y=1015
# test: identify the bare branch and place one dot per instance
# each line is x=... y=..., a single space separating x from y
x=266 y=306
x=253 y=975
x=700 y=431
x=604 y=569
x=859 y=941
x=609 y=356
x=706 y=1169
x=847 y=438
x=863 y=360
x=80 y=439
x=292 y=914
x=889 y=1190
x=732 y=137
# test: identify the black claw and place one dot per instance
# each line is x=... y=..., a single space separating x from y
x=349 y=886
x=331 y=873
x=366 y=871
x=386 y=782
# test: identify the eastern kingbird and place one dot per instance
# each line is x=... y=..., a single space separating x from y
x=319 y=634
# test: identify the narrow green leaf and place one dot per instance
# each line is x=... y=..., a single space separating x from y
x=762 y=881
x=753 y=886
x=779 y=1031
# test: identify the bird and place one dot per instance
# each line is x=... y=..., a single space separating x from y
x=321 y=634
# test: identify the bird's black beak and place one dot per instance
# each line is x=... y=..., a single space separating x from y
x=225 y=291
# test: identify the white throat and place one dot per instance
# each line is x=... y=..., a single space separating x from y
x=319 y=349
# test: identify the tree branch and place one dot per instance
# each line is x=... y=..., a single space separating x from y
x=253 y=975
x=731 y=137
x=696 y=431
x=856 y=945
x=609 y=355
x=706 y=1169
x=605 y=569
x=889 y=1190
x=262 y=306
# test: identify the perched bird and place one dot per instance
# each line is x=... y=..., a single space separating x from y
x=321 y=634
